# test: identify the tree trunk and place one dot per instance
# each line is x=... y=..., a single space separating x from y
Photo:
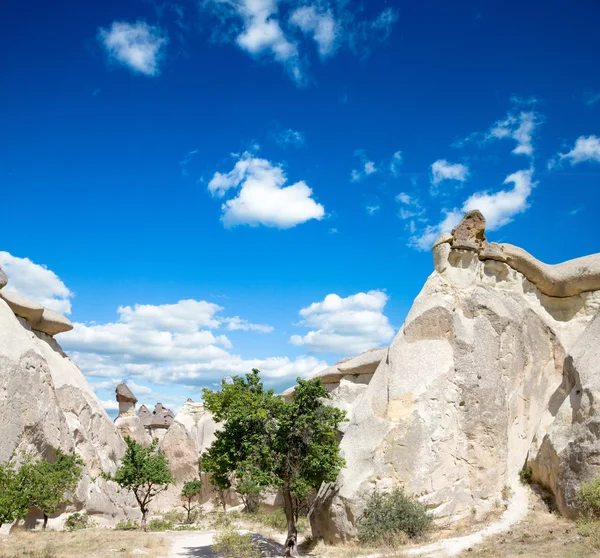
x=45 y=521
x=291 y=514
x=144 y=515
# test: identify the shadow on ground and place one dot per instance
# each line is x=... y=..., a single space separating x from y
x=268 y=549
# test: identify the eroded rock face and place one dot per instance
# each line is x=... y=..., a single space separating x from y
x=471 y=385
x=47 y=404
x=128 y=423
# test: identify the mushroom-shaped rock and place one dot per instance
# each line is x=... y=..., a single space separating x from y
x=145 y=415
x=23 y=307
x=52 y=323
x=469 y=234
x=3 y=279
x=124 y=394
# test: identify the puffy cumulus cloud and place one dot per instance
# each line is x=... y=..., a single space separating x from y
x=518 y=127
x=170 y=343
x=36 y=282
x=321 y=25
x=263 y=198
x=138 y=46
x=499 y=208
x=443 y=170
x=585 y=149
x=283 y=31
x=345 y=326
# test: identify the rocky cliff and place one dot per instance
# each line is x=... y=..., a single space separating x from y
x=47 y=404
x=494 y=367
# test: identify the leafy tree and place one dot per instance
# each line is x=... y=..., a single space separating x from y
x=145 y=471
x=13 y=503
x=191 y=489
x=46 y=483
x=270 y=442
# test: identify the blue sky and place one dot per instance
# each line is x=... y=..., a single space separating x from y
x=252 y=157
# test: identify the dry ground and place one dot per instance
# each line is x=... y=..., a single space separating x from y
x=89 y=543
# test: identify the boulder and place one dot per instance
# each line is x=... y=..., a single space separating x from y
x=23 y=307
x=52 y=323
x=124 y=394
x=469 y=234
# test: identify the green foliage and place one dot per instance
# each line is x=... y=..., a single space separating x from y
x=174 y=516
x=231 y=544
x=126 y=525
x=526 y=475
x=222 y=520
x=191 y=489
x=590 y=530
x=77 y=521
x=589 y=498
x=392 y=517
x=144 y=470
x=46 y=483
x=269 y=442
x=13 y=501
x=159 y=525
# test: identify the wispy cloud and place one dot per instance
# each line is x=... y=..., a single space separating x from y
x=585 y=149
x=372 y=209
x=443 y=170
x=518 y=127
x=590 y=98
x=320 y=25
x=289 y=137
x=138 y=46
x=396 y=163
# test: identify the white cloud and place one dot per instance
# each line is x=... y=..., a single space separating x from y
x=263 y=198
x=290 y=137
x=443 y=170
x=368 y=167
x=138 y=46
x=585 y=149
x=236 y=323
x=372 y=209
x=409 y=207
x=36 y=282
x=320 y=25
x=518 y=127
x=498 y=208
x=172 y=343
x=345 y=326
x=110 y=405
x=396 y=163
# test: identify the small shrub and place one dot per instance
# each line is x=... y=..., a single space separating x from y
x=277 y=521
x=392 y=517
x=232 y=544
x=159 y=525
x=127 y=525
x=221 y=520
x=590 y=530
x=526 y=475
x=507 y=492
x=77 y=521
x=589 y=498
x=175 y=516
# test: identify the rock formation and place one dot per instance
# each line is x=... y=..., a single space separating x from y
x=490 y=370
x=128 y=423
x=47 y=404
x=162 y=419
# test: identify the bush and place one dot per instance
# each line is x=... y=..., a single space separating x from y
x=276 y=520
x=159 y=525
x=590 y=530
x=222 y=520
x=391 y=518
x=526 y=475
x=232 y=544
x=589 y=498
x=77 y=521
x=175 y=516
x=127 y=525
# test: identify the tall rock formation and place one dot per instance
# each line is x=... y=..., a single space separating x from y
x=472 y=384
x=47 y=404
x=127 y=422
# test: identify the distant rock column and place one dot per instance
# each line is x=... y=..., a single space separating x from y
x=128 y=423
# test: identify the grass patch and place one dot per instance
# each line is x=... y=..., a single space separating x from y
x=231 y=544
x=127 y=525
x=159 y=525
x=96 y=543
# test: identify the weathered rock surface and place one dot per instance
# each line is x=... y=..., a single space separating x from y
x=3 y=279
x=47 y=404
x=23 y=307
x=569 y=453
x=52 y=323
x=128 y=423
x=472 y=383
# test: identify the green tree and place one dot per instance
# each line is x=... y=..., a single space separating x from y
x=46 y=483
x=145 y=471
x=13 y=502
x=191 y=489
x=269 y=442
